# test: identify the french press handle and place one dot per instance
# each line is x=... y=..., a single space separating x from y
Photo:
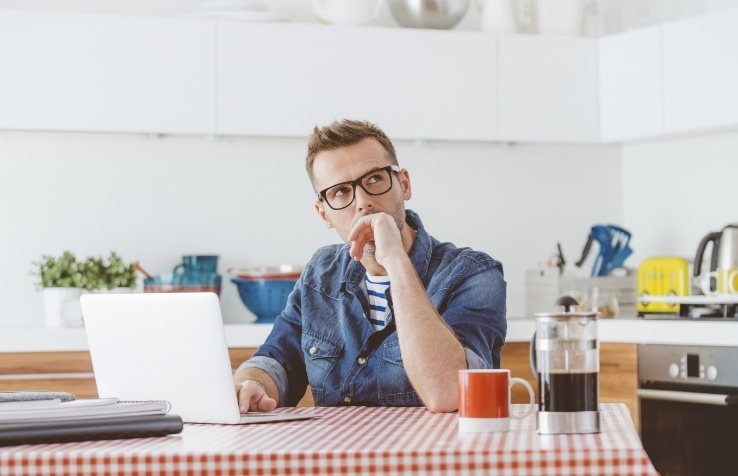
x=567 y=302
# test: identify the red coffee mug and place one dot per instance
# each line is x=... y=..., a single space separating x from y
x=484 y=400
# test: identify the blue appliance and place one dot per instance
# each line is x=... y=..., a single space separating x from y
x=614 y=248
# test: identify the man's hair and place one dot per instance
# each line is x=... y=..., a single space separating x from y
x=341 y=134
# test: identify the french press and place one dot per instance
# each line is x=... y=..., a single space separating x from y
x=564 y=355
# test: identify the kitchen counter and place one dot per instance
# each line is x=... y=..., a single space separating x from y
x=645 y=331
x=623 y=330
x=69 y=340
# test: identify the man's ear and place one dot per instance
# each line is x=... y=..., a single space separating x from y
x=320 y=210
x=404 y=179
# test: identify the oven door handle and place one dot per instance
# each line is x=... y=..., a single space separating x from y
x=688 y=397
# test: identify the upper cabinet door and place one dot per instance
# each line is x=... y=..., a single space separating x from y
x=630 y=85
x=106 y=73
x=548 y=89
x=701 y=72
x=282 y=80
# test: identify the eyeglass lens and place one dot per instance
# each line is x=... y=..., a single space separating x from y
x=374 y=183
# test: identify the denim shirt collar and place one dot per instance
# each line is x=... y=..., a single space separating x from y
x=420 y=255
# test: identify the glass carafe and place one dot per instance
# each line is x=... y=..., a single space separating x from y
x=565 y=359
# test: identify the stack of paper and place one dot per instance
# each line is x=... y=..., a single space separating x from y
x=45 y=421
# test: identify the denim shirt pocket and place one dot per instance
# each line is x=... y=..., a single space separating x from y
x=394 y=387
x=321 y=356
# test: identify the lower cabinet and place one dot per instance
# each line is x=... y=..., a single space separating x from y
x=618 y=373
x=57 y=371
x=72 y=372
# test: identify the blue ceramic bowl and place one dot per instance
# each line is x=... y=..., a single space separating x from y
x=264 y=297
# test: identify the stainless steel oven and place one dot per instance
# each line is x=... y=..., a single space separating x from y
x=689 y=408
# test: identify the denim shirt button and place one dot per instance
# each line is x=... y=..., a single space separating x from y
x=312 y=350
x=361 y=361
x=347 y=399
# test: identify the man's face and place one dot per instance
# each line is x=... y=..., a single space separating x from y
x=349 y=163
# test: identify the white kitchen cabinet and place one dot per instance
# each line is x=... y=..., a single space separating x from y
x=283 y=79
x=548 y=89
x=77 y=72
x=700 y=64
x=630 y=85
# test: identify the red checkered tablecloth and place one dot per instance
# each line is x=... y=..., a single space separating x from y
x=349 y=440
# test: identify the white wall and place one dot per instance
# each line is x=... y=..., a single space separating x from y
x=676 y=191
x=248 y=200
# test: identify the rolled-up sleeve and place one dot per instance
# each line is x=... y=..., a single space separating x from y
x=473 y=361
x=281 y=355
x=475 y=311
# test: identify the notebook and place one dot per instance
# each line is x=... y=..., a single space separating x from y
x=56 y=410
x=166 y=346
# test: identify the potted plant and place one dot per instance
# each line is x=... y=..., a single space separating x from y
x=64 y=279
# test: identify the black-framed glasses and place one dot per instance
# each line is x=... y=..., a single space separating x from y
x=374 y=182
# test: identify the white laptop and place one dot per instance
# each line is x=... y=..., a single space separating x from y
x=166 y=346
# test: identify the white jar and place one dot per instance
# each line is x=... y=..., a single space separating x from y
x=497 y=16
x=347 y=12
x=559 y=17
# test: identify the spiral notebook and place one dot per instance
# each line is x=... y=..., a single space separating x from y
x=56 y=410
x=54 y=420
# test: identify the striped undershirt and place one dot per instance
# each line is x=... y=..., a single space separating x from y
x=376 y=290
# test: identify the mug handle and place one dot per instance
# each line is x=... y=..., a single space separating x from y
x=176 y=268
x=731 y=282
x=527 y=386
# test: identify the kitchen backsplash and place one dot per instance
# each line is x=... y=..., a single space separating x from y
x=249 y=200
x=677 y=190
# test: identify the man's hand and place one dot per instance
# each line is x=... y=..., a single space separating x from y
x=380 y=230
x=252 y=397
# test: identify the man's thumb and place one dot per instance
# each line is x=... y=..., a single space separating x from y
x=267 y=403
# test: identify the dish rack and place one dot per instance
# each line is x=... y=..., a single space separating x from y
x=544 y=285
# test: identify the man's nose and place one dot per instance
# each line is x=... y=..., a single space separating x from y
x=364 y=201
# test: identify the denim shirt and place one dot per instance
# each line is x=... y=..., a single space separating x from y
x=323 y=337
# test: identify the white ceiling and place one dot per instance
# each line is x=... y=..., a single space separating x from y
x=618 y=15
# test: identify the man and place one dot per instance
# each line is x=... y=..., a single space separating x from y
x=389 y=317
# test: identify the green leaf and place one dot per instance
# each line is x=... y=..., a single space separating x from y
x=92 y=273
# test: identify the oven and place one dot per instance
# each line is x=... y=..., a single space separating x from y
x=689 y=408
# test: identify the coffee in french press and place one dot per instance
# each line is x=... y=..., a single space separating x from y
x=565 y=359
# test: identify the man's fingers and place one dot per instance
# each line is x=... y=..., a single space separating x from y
x=363 y=226
x=261 y=402
x=267 y=404
x=361 y=234
x=244 y=397
x=252 y=397
x=356 y=250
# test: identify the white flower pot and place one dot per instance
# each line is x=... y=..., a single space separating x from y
x=61 y=307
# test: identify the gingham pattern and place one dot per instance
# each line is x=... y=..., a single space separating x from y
x=347 y=441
